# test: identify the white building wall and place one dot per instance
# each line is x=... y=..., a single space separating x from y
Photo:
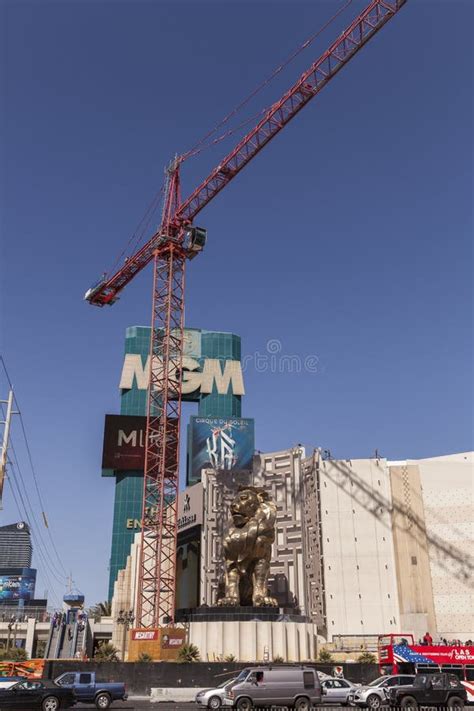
x=448 y=496
x=358 y=557
x=255 y=641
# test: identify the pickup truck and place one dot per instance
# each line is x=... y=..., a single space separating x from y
x=89 y=691
x=429 y=690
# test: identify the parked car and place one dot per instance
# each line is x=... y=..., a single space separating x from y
x=90 y=691
x=430 y=690
x=275 y=685
x=212 y=698
x=32 y=694
x=373 y=694
x=323 y=676
x=336 y=691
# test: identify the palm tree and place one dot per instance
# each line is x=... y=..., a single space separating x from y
x=325 y=656
x=189 y=653
x=106 y=652
x=144 y=657
x=367 y=658
x=15 y=654
x=40 y=648
x=100 y=609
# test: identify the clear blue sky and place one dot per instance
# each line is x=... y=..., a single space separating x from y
x=348 y=238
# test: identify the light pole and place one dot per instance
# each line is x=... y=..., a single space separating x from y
x=125 y=618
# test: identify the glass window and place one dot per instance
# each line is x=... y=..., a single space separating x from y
x=84 y=678
x=455 y=669
x=67 y=679
x=243 y=675
x=308 y=679
x=381 y=681
x=31 y=685
x=256 y=677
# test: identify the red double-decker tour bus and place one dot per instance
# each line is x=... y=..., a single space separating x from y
x=399 y=654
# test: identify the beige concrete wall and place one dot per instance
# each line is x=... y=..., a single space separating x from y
x=360 y=584
x=448 y=498
x=415 y=593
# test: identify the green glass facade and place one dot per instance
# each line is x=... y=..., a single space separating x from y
x=129 y=485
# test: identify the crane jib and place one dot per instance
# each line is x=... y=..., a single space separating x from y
x=373 y=18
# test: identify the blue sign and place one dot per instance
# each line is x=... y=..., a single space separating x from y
x=223 y=443
x=19 y=585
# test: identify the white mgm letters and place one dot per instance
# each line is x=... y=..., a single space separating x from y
x=192 y=378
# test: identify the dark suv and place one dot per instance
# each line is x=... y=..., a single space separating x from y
x=430 y=690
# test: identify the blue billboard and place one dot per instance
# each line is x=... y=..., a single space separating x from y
x=223 y=443
x=17 y=584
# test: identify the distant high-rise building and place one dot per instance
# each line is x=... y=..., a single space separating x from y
x=15 y=546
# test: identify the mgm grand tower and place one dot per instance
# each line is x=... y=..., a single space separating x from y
x=217 y=435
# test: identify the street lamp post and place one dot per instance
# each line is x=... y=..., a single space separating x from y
x=125 y=618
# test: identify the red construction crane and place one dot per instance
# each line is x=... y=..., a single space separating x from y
x=175 y=241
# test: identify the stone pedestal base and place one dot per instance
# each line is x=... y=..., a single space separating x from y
x=254 y=640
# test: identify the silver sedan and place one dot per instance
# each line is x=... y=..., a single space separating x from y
x=336 y=691
x=213 y=698
x=373 y=695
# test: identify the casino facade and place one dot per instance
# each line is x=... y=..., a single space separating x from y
x=363 y=546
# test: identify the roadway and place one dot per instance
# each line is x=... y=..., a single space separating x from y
x=142 y=704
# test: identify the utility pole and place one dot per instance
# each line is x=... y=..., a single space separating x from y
x=6 y=437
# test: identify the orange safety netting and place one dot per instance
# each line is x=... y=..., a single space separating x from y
x=31 y=669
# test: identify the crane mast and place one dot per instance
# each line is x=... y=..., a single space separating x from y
x=156 y=587
x=169 y=248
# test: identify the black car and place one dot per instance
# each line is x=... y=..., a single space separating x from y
x=33 y=694
x=441 y=690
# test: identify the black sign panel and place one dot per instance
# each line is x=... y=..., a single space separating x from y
x=124 y=442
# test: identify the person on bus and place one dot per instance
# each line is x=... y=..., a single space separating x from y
x=427 y=639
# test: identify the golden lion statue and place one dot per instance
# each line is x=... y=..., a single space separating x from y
x=248 y=547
